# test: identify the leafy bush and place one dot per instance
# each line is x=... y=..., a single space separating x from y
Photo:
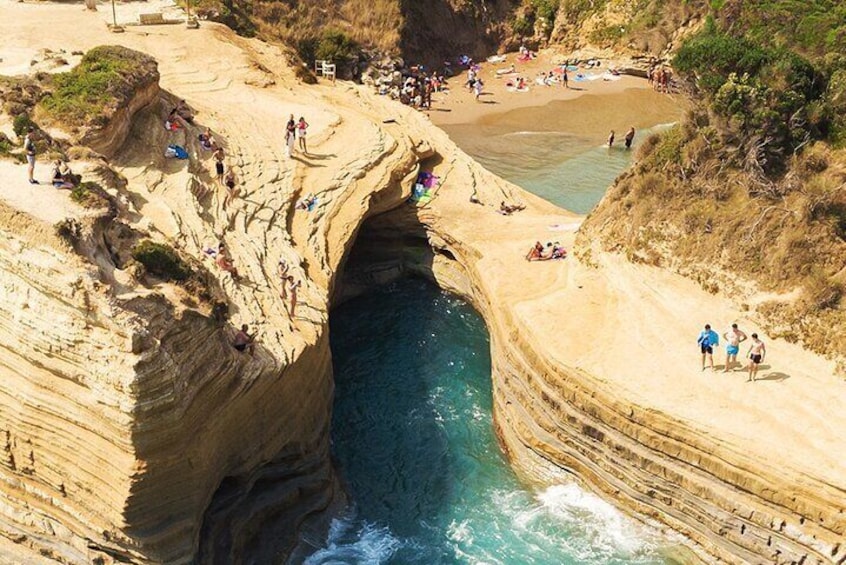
x=523 y=26
x=161 y=260
x=336 y=46
x=21 y=124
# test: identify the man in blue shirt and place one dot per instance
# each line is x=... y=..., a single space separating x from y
x=708 y=340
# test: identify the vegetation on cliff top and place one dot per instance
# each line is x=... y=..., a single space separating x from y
x=105 y=79
x=754 y=180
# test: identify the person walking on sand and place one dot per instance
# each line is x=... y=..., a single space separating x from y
x=708 y=340
x=611 y=139
x=477 y=88
x=733 y=338
x=756 y=354
x=302 y=128
x=29 y=148
x=630 y=137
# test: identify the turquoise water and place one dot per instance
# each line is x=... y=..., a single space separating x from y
x=566 y=168
x=413 y=439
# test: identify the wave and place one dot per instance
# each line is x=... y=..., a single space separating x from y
x=370 y=545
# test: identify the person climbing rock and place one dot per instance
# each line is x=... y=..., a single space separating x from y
x=243 y=341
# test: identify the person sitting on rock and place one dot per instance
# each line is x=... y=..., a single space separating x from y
x=243 y=341
x=225 y=262
x=536 y=252
x=59 y=178
x=207 y=140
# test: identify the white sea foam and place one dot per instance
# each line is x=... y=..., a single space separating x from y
x=371 y=545
x=607 y=528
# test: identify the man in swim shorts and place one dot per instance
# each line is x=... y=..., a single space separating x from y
x=708 y=339
x=243 y=340
x=757 y=351
x=733 y=338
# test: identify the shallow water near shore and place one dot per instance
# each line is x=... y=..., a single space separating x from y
x=413 y=437
x=559 y=151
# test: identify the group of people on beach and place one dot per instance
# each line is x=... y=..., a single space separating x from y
x=709 y=339
x=660 y=78
x=539 y=252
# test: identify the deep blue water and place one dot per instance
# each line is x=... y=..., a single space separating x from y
x=413 y=437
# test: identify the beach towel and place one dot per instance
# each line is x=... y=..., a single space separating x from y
x=497 y=58
x=510 y=70
x=176 y=151
x=515 y=89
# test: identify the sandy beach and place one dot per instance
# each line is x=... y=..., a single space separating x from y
x=547 y=103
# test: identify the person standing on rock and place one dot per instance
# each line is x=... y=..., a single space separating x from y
x=302 y=128
x=630 y=137
x=708 y=340
x=219 y=156
x=290 y=136
x=756 y=354
x=733 y=338
x=292 y=290
x=29 y=149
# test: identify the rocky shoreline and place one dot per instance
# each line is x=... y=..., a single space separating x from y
x=134 y=432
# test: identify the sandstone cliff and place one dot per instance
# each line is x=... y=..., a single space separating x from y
x=136 y=433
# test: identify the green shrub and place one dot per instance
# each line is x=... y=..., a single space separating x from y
x=523 y=26
x=161 y=260
x=336 y=46
x=105 y=78
x=21 y=124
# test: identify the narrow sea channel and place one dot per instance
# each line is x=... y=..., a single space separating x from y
x=413 y=437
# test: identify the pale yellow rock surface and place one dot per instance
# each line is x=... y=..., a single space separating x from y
x=124 y=408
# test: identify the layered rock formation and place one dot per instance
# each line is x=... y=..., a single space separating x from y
x=135 y=432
